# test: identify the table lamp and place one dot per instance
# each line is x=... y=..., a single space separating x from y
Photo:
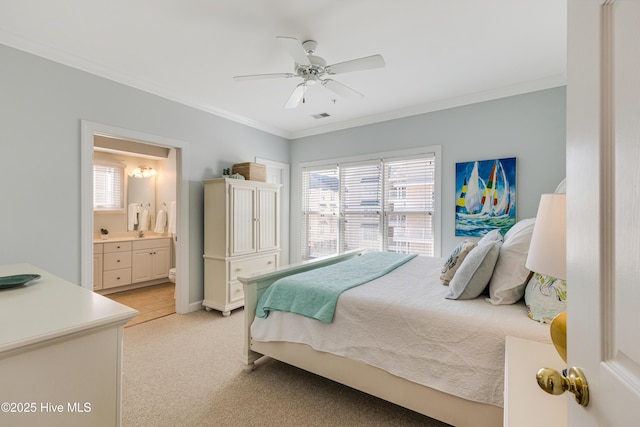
x=548 y=255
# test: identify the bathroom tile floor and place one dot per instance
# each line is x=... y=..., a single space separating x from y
x=152 y=302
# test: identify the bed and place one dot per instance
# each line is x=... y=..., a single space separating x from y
x=399 y=338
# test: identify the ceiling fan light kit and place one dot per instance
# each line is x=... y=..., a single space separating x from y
x=312 y=69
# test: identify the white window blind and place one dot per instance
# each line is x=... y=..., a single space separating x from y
x=409 y=197
x=108 y=187
x=320 y=212
x=381 y=204
x=361 y=206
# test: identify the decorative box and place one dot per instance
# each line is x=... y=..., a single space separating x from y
x=251 y=171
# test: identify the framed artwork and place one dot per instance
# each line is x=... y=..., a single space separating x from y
x=485 y=196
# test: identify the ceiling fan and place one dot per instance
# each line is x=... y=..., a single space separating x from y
x=314 y=70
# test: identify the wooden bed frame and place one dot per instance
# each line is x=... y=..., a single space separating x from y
x=445 y=407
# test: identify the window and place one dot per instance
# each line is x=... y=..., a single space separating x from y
x=382 y=204
x=320 y=211
x=108 y=187
x=361 y=205
x=409 y=205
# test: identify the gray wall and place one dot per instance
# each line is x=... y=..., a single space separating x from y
x=41 y=105
x=530 y=127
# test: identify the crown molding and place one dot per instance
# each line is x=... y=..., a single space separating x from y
x=73 y=61
x=519 y=89
x=82 y=64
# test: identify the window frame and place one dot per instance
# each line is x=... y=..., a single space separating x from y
x=434 y=151
x=121 y=169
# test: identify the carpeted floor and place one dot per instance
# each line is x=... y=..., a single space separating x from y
x=185 y=370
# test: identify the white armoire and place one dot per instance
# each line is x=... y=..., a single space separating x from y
x=241 y=237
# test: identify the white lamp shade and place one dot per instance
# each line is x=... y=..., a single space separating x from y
x=548 y=250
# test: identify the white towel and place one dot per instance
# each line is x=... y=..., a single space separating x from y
x=172 y=217
x=144 y=220
x=132 y=216
x=161 y=221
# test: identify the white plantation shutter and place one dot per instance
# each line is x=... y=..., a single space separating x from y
x=361 y=206
x=409 y=196
x=108 y=187
x=382 y=204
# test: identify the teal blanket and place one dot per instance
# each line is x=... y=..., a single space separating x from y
x=315 y=293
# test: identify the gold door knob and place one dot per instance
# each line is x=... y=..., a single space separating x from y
x=553 y=382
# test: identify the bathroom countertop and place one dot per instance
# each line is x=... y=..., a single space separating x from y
x=130 y=238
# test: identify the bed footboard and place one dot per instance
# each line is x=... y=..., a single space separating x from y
x=255 y=285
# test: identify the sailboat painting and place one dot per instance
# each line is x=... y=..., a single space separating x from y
x=485 y=196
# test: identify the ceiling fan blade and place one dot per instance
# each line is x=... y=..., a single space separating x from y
x=296 y=96
x=342 y=90
x=366 y=63
x=264 y=76
x=295 y=49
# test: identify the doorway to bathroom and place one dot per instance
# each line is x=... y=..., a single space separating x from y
x=128 y=148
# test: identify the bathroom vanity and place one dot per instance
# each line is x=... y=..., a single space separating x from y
x=123 y=263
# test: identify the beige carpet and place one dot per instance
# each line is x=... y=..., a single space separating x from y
x=185 y=370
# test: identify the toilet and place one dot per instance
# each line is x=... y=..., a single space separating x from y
x=172 y=275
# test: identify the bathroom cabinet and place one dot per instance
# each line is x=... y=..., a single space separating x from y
x=241 y=237
x=97 y=266
x=150 y=260
x=116 y=264
x=125 y=262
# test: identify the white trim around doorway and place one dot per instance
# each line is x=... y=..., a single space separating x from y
x=88 y=130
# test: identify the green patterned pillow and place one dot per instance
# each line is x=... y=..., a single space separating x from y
x=545 y=297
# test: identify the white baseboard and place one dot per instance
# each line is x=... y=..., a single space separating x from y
x=194 y=306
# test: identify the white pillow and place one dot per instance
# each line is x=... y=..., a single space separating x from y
x=473 y=275
x=491 y=237
x=510 y=275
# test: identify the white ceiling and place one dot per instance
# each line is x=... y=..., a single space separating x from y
x=438 y=53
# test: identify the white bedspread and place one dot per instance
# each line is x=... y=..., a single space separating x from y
x=403 y=323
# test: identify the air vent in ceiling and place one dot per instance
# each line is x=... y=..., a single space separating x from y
x=320 y=116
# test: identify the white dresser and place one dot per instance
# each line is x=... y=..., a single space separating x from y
x=60 y=353
x=525 y=403
x=241 y=237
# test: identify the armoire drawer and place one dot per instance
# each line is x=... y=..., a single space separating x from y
x=236 y=292
x=116 y=260
x=250 y=266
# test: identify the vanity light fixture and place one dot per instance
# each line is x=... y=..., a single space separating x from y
x=143 y=172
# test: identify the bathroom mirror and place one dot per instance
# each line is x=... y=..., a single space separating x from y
x=141 y=191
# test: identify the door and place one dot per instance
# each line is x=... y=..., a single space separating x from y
x=160 y=262
x=268 y=219
x=242 y=215
x=603 y=208
x=278 y=173
x=141 y=265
